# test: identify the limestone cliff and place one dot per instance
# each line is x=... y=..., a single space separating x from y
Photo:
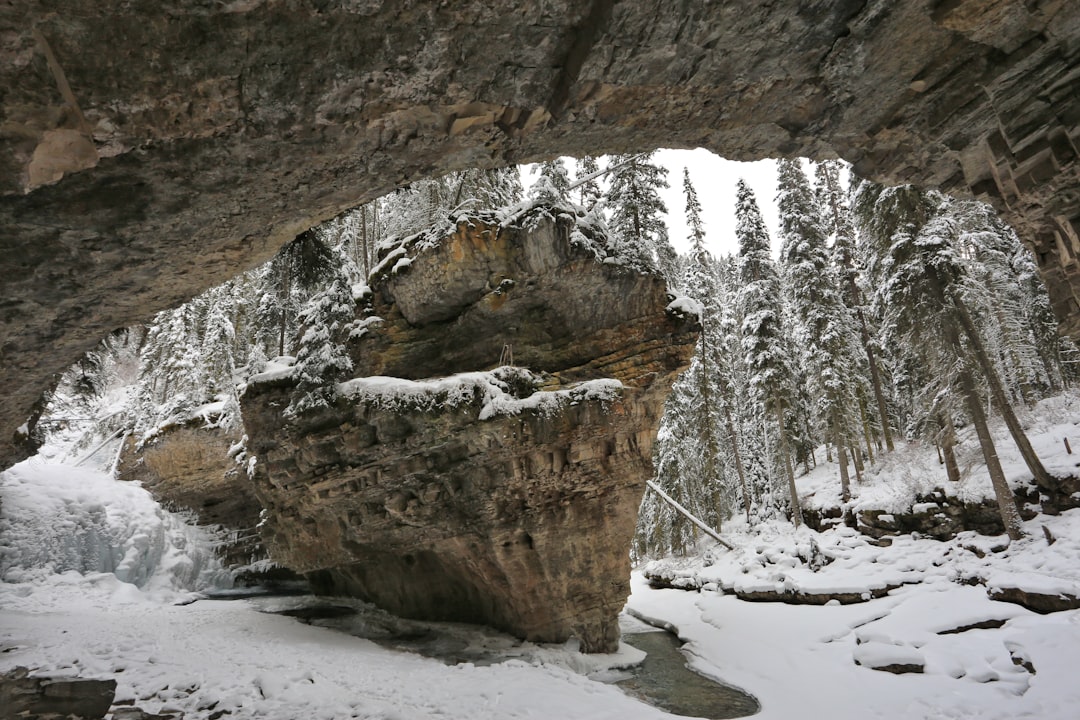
x=150 y=150
x=443 y=485
x=188 y=468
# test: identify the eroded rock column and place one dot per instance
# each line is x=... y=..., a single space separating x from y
x=439 y=486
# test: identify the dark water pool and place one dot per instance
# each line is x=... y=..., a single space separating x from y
x=663 y=680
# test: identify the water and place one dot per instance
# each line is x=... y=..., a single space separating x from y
x=665 y=681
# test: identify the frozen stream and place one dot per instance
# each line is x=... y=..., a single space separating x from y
x=661 y=679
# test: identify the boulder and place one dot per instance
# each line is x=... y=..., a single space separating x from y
x=34 y=697
x=441 y=485
x=1041 y=602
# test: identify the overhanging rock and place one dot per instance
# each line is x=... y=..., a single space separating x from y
x=151 y=150
x=441 y=486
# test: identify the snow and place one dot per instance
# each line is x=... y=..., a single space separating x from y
x=277 y=369
x=77 y=601
x=895 y=481
x=463 y=388
x=686 y=305
x=70 y=537
x=816 y=661
x=401 y=265
x=880 y=654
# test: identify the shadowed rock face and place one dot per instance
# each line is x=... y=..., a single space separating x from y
x=482 y=497
x=149 y=150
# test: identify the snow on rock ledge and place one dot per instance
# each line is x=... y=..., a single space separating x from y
x=440 y=488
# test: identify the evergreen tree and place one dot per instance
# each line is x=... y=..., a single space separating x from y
x=839 y=223
x=293 y=274
x=825 y=329
x=553 y=185
x=714 y=382
x=322 y=358
x=914 y=243
x=765 y=344
x=637 y=212
x=479 y=189
x=588 y=191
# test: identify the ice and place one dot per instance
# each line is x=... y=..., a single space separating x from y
x=57 y=518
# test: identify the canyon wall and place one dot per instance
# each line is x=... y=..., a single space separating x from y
x=149 y=150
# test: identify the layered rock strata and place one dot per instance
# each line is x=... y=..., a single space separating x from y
x=151 y=150
x=490 y=494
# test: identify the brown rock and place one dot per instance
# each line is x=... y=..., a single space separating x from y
x=482 y=498
x=222 y=130
x=1042 y=603
x=188 y=468
x=33 y=697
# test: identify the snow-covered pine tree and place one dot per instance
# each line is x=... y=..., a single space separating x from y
x=912 y=240
x=839 y=223
x=170 y=376
x=681 y=470
x=714 y=382
x=637 y=212
x=553 y=185
x=1002 y=302
x=824 y=328
x=218 y=362
x=290 y=279
x=419 y=206
x=589 y=192
x=322 y=358
x=767 y=349
x=485 y=189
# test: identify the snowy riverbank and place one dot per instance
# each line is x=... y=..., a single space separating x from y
x=70 y=613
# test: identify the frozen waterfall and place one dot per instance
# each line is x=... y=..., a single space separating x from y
x=58 y=518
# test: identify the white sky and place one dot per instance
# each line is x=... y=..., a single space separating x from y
x=714 y=179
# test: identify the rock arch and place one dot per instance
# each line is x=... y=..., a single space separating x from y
x=150 y=150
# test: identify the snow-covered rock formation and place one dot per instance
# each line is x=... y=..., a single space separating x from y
x=446 y=483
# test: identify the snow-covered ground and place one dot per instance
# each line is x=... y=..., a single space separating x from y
x=815 y=661
x=69 y=538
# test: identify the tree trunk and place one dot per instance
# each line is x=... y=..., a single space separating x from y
x=948 y=442
x=711 y=449
x=841 y=456
x=997 y=394
x=866 y=432
x=796 y=511
x=1010 y=514
x=698 y=523
x=738 y=459
x=875 y=374
x=285 y=291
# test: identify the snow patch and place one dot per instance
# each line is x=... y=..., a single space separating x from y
x=490 y=389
